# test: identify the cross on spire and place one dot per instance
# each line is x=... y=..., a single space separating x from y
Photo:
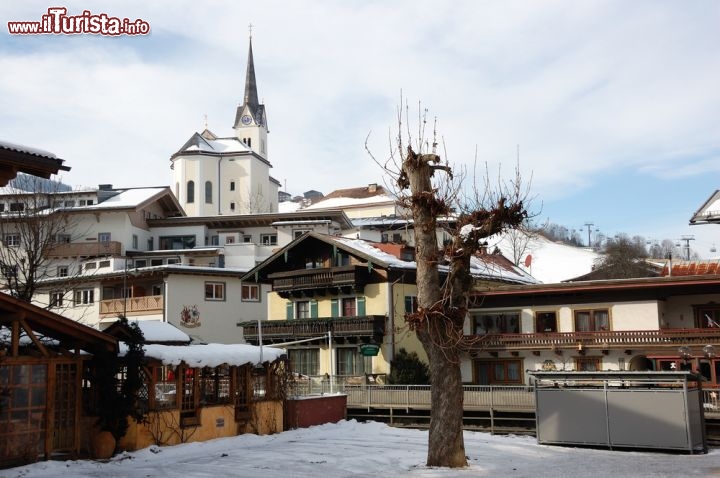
x=250 y=25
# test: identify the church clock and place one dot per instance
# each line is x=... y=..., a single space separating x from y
x=246 y=119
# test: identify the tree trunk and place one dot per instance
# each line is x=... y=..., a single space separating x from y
x=445 y=441
x=434 y=327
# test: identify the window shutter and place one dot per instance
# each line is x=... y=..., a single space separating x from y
x=361 y=306
x=289 y=309
x=334 y=311
x=313 y=309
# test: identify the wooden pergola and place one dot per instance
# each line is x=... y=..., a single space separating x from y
x=41 y=368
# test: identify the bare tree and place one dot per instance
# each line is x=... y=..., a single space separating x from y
x=31 y=228
x=255 y=203
x=623 y=258
x=443 y=303
x=519 y=239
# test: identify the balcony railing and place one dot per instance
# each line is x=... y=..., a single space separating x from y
x=88 y=249
x=369 y=326
x=594 y=340
x=305 y=279
x=149 y=304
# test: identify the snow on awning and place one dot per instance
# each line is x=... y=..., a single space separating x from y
x=210 y=355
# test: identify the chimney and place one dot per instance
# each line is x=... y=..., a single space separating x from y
x=482 y=249
x=372 y=187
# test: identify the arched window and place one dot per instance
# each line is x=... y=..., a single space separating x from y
x=208 y=192
x=191 y=191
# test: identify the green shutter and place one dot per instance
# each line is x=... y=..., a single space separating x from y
x=361 y=306
x=289 y=311
x=313 y=309
x=334 y=311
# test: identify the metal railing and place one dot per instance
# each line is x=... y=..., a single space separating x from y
x=361 y=394
x=476 y=397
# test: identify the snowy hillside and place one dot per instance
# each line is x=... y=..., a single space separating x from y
x=549 y=261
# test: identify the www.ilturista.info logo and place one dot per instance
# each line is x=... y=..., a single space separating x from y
x=58 y=22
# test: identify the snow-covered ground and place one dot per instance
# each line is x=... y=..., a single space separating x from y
x=352 y=449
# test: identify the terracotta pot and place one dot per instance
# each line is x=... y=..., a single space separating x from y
x=103 y=445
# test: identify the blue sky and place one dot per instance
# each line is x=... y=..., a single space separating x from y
x=612 y=103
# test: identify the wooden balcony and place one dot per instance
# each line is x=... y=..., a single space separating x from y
x=86 y=249
x=600 y=340
x=145 y=305
x=344 y=329
x=308 y=280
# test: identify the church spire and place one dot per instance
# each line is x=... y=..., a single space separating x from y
x=250 y=110
x=251 y=96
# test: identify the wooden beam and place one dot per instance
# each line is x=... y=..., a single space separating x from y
x=15 y=339
x=34 y=339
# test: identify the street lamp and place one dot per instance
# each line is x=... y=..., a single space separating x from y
x=685 y=354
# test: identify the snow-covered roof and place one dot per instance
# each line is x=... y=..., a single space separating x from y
x=709 y=212
x=372 y=252
x=480 y=267
x=127 y=198
x=219 y=145
x=484 y=267
x=27 y=149
x=341 y=202
x=288 y=206
x=212 y=355
x=156 y=331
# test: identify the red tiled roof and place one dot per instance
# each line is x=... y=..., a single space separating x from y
x=693 y=268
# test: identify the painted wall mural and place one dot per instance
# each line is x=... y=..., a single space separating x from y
x=190 y=316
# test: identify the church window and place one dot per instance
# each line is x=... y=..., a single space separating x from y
x=262 y=146
x=191 y=191
x=208 y=192
x=232 y=206
x=232 y=185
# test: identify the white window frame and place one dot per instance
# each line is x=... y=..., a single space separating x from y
x=83 y=297
x=57 y=298
x=11 y=240
x=268 y=239
x=250 y=293
x=212 y=289
x=63 y=271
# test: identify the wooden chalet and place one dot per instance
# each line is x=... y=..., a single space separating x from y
x=657 y=323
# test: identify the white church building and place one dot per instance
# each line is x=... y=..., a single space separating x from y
x=215 y=176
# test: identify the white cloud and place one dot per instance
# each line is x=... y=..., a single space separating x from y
x=583 y=87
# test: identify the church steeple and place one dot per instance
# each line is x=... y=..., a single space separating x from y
x=251 y=96
x=250 y=119
x=250 y=111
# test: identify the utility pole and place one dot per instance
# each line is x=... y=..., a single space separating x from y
x=589 y=225
x=687 y=240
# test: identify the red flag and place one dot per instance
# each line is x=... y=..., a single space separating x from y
x=528 y=260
